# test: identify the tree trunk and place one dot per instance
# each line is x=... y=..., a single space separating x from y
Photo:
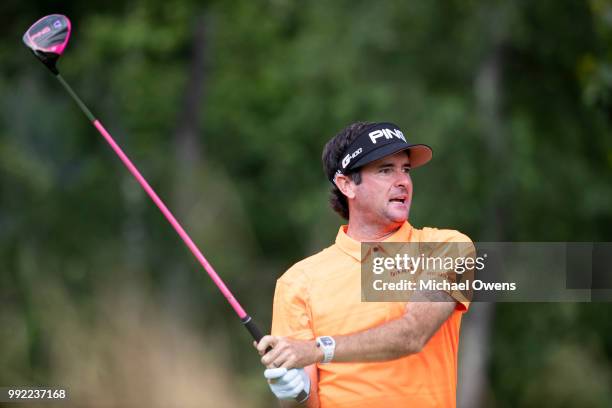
x=476 y=332
x=188 y=159
x=188 y=149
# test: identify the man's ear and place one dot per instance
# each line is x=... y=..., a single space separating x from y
x=345 y=185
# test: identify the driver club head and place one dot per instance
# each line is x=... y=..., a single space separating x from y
x=47 y=39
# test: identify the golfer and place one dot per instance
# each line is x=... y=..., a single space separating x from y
x=325 y=341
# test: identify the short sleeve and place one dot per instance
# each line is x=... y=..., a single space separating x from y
x=466 y=250
x=455 y=245
x=291 y=315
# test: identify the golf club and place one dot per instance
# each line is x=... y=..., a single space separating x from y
x=47 y=39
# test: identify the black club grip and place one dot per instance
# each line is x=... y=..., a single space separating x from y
x=256 y=333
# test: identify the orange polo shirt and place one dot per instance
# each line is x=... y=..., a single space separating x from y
x=321 y=296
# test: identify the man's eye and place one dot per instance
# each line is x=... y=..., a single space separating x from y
x=385 y=171
x=407 y=169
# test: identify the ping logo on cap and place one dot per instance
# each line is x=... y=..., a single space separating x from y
x=387 y=133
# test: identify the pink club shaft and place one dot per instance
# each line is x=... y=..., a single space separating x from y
x=175 y=224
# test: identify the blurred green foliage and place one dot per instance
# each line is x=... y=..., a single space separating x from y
x=279 y=79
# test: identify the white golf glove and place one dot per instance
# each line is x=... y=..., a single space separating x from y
x=287 y=384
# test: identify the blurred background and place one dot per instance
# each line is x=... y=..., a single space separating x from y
x=225 y=107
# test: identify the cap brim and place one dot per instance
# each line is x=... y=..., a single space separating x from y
x=420 y=154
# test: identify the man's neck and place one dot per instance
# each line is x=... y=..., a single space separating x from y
x=371 y=233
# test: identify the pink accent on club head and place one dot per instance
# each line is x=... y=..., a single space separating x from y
x=59 y=49
x=53 y=19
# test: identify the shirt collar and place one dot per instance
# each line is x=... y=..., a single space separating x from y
x=353 y=248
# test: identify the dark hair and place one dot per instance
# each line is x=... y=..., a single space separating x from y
x=332 y=154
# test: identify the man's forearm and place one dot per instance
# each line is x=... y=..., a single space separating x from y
x=397 y=338
x=386 y=342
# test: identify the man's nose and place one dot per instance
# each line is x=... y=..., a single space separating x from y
x=403 y=179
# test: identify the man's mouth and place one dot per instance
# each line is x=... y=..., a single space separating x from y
x=401 y=200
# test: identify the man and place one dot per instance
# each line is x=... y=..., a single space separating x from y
x=330 y=347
